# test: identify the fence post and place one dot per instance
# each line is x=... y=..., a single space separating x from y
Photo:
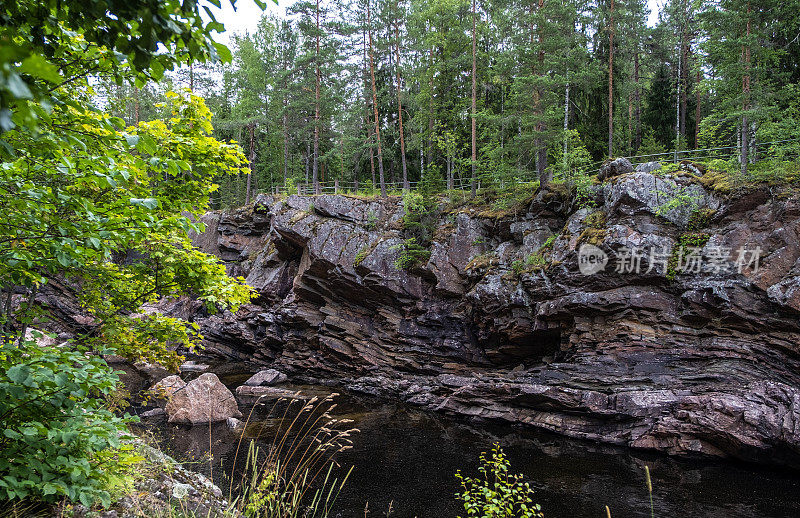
x=336 y=186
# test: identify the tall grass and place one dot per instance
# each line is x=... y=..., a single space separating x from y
x=294 y=475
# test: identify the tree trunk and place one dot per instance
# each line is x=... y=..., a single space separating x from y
x=136 y=116
x=678 y=108
x=637 y=143
x=367 y=115
x=316 y=107
x=252 y=159
x=308 y=157
x=406 y=185
x=697 y=111
x=375 y=103
x=285 y=146
x=746 y=98
x=473 y=179
x=611 y=84
x=431 y=114
x=566 y=127
x=684 y=71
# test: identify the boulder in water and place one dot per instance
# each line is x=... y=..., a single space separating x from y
x=203 y=400
x=266 y=377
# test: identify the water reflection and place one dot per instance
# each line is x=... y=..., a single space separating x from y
x=407 y=458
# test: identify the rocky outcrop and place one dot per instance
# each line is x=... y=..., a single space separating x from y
x=500 y=322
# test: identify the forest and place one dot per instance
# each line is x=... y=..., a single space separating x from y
x=452 y=93
x=125 y=126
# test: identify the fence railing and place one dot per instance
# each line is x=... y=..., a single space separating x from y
x=465 y=183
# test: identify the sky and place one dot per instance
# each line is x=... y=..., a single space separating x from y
x=245 y=17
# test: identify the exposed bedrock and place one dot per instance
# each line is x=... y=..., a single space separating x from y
x=695 y=363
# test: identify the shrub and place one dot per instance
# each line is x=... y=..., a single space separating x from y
x=411 y=254
x=682 y=249
x=535 y=261
x=59 y=439
x=372 y=220
x=419 y=217
x=497 y=494
x=291 y=186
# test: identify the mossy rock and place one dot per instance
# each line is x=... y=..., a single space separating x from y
x=592 y=236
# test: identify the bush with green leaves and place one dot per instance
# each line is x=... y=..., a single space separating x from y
x=59 y=438
x=411 y=254
x=419 y=216
x=497 y=493
x=101 y=209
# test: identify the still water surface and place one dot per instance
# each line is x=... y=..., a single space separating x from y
x=406 y=458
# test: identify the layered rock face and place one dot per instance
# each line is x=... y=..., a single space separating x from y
x=496 y=326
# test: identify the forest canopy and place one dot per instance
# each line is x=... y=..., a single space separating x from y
x=350 y=91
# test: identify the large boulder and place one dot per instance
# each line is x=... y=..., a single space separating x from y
x=616 y=167
x=203 y=400
x=167 y=387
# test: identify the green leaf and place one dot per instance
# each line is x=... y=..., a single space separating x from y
x=37 y=66
x=223 y=51
x=150 y=203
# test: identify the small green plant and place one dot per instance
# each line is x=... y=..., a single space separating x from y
x=372 y=220
x=548 y=244
x=497 y=493
x=535 y=261
x=411 y=254
x=310 y=208
x=681 y=250
x=291 y=186
x=700 y=219
x=360 y=256
x=682 y=199
x=517 y=266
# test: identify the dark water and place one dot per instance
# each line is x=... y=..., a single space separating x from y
x=406 y=458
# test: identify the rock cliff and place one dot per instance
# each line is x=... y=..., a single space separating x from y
x=500 y=322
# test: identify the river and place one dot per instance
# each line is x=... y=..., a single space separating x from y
x=404 y=459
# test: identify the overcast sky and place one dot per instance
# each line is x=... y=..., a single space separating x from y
x=247 y=14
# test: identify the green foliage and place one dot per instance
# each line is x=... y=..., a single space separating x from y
x=683 y=198
x=682 y=249
x=59 y=439
x=498 y=493
x=360 y=256
x=411 y=254
x=291 y=186
x=535 y=261
x=419 y=217
x=517 y=266
x=113 y=207
x=49 y=43
x=577 y=160
x=372 y=220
